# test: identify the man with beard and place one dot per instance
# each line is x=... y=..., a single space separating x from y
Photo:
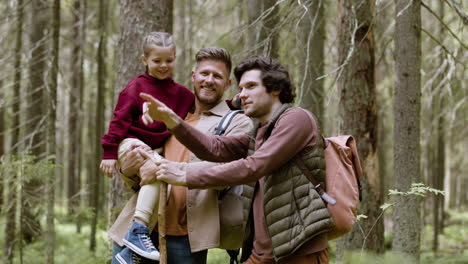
x=288 y=220
x=192 y=216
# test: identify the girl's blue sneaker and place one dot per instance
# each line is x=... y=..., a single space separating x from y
x=138 y=240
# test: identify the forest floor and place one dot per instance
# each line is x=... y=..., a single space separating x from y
x=73 y=248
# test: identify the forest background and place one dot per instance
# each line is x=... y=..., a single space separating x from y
x=391 y=73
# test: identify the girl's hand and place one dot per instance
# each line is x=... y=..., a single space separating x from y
x=108 y=166
x=157 y=110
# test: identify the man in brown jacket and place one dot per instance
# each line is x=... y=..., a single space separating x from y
x=192 y=216
x=288 y=221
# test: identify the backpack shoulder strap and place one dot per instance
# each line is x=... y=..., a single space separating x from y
x=226 y=121
x=298 y=159
x=220 y=129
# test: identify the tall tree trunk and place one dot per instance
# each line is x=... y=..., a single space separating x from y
x=17 y=79
x=184 y=46
x=439 y=172
x=10 y=212
x=37 y=86
x=136 y=19
x=453 y=179
x=37 y=117
x=263 y=37
x=100 y=104
x=439 y=177
x=2 y=141
x=11 y=179
x=312 y=34
x=51 y=141
x=75 y=98
x=407 y=150
x=358 y=117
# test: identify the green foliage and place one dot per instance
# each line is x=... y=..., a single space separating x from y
x=418 y=189
x=452 y=240
x=27 y=166
x=361 y=216
x=71 y=247
x=364 y=257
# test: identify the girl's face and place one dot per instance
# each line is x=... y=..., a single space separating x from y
x=160 y=62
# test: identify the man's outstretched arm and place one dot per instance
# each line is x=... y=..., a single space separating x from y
x=210 y=148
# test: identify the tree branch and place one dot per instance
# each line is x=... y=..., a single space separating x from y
x=458 y=10
x=442 y=45
x=442 y=22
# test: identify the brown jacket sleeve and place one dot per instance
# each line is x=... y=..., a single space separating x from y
x=294 y=130
x=212 y=148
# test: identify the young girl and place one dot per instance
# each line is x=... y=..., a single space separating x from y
x=127 y=130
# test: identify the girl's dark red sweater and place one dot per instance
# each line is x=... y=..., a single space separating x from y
x=127 y=122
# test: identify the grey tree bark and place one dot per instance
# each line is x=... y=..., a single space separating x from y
x=358 y=117
x=407 y=150
x=312 y=35
x=136 y=19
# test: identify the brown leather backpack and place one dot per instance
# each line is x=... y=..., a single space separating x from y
x=342 y=189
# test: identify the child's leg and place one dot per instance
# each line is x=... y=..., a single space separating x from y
x=147 y=203
x=138 y=237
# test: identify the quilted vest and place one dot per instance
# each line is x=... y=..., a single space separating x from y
x=294 y=211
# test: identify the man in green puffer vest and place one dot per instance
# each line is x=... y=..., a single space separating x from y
x=288 y=220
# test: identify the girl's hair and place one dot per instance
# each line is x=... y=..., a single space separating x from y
x=160 y=39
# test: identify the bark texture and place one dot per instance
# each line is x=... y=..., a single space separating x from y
x=32 y=190
x=407 y=150
x=95 y=183
x=51 y=141
x=75 y=99
x=358 y=117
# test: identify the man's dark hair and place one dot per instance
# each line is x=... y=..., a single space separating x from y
x=217 y=54
x=274 y=76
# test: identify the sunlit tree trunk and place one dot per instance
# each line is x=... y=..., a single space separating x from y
x=358 y=117
x=312 y=35
x=407 y=150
